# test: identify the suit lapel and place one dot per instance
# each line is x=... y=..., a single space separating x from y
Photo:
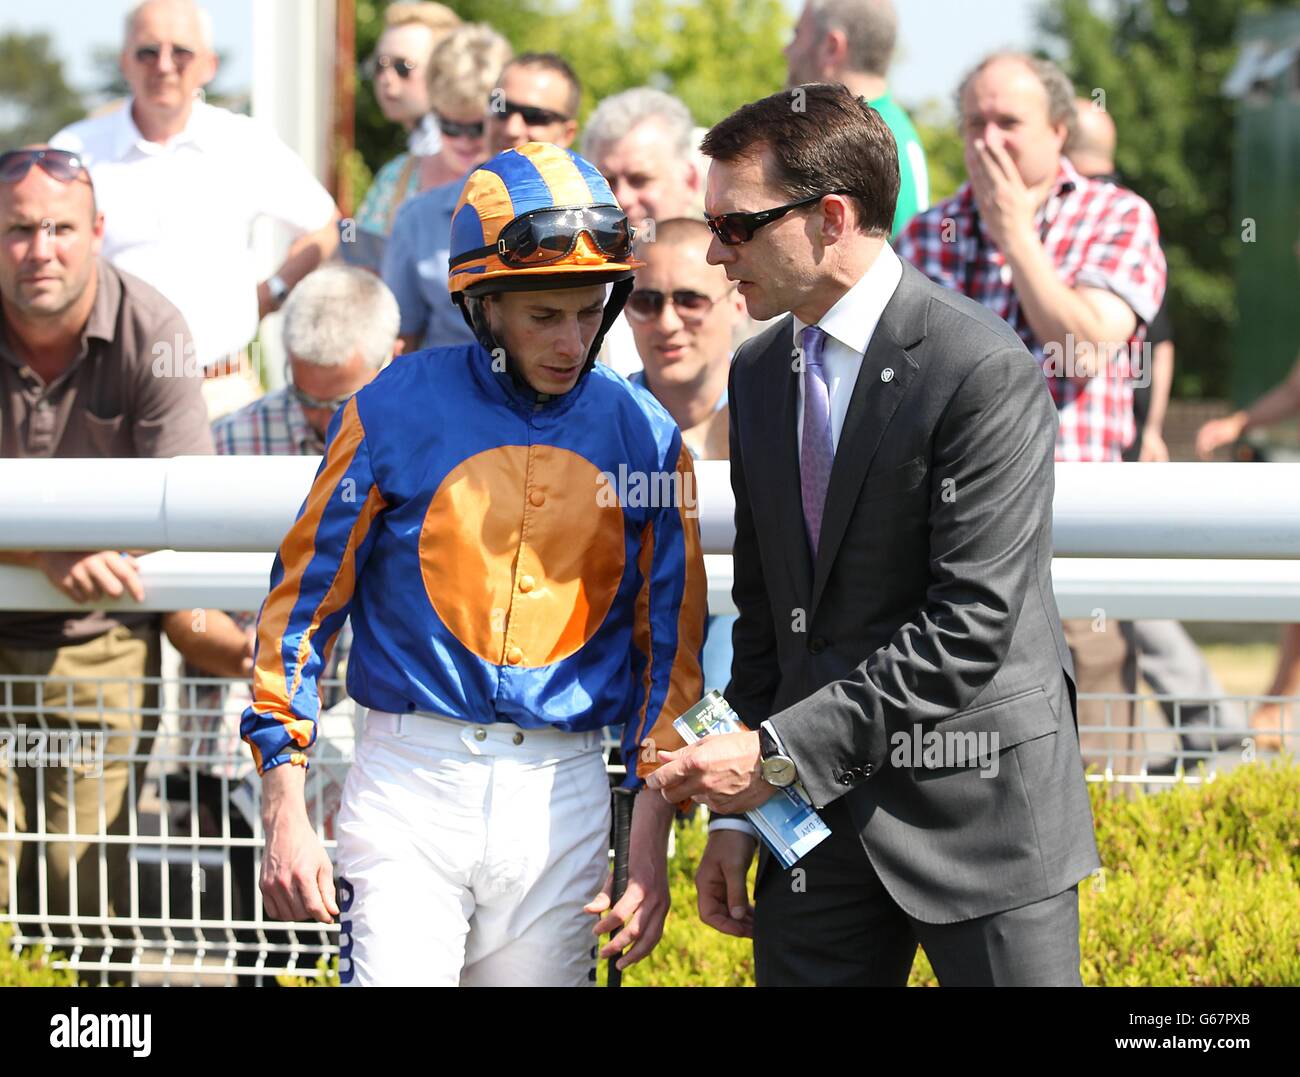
x=887 y=370
x=779 y=434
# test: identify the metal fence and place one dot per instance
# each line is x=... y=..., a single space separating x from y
x=165 y=891
x=174 y=896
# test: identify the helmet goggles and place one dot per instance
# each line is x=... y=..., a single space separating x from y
x=550 y=235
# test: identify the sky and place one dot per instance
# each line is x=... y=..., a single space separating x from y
x=938 y=39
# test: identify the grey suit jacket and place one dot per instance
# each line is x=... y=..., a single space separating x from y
x=929 y=607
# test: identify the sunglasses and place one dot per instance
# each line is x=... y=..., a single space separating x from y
x=375 y=64
x=532 y=117
x=60 y=164
x=735 y=228
x=546 y=236
x=151 y=54
x=310 y=403
x=647 y=303
x=452 y=129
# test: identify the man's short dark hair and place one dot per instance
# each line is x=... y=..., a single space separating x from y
x=550 y=61
x=822 y=138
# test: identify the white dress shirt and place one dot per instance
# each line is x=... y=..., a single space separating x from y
x=849 y=326
x=179 y=214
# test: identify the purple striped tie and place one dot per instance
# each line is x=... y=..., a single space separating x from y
x=818 y=450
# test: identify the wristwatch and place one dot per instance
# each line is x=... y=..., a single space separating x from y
x=778 y=769
x=277 y=289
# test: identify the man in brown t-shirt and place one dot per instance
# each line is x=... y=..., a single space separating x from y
x=92 y=364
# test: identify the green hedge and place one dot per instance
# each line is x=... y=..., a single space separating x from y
x=1201 y=886
x=29 y=967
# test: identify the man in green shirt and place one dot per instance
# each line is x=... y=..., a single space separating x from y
x=851 y=42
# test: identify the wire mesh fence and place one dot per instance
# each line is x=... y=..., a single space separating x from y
x=131 y=838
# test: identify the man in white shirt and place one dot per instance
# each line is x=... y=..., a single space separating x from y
x=181 y=182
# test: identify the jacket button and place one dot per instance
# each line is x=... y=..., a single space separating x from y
x=518 y=738
x=846 y=779
x=816 y=645
x=514 y=656
x=526 y=584
x=866 y=769
x=537 y=498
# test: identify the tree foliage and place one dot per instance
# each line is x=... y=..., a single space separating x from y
x=714 y=54
x=1158 y=65
x=35 y=101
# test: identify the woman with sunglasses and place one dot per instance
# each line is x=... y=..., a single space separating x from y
x=512 y=595
x=396 y=69
x=461 y=73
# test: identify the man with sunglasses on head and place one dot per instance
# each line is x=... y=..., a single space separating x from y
x=892 y=463
x=685 y=317
x=181 y=184
x=77 y=352
x=511 y=595
x=535 y=99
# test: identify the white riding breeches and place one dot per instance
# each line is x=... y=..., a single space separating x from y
x=466 y=854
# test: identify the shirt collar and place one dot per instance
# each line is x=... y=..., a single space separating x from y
x=102 y=322
x=637 y=377
x=127 y=136
x=852 y=320
x=301 y=433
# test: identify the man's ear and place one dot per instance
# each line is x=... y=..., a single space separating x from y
x=837 y=214
x=835 y=51
x=694 y=180
x=210 y=65
x=1060 y=132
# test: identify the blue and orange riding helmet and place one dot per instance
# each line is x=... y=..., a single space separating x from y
x=536 y=217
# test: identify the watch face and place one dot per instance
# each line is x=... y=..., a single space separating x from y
x=779 y=771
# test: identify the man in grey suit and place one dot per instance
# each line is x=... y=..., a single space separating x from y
x=892 y=461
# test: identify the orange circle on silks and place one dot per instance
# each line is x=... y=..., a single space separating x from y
x=518 y=582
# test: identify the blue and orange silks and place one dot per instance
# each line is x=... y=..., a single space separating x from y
x=490 y=570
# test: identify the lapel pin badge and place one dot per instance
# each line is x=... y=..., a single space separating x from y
x=887 y=374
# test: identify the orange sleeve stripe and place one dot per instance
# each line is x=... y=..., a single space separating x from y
x=686 y=680
x=344 y=581
x=270 y=693
x=641 y=637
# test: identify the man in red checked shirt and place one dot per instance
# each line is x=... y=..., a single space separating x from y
x=1075 y=267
